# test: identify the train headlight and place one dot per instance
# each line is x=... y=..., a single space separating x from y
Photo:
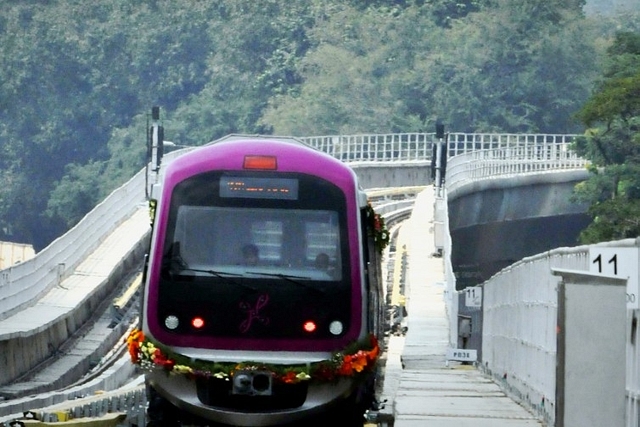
x=197 y=322
x=171 y=322
x=309 y=326
x=242 y=383
x=252 y=383
x=336 y=327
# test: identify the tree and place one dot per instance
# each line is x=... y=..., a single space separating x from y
x=514 y=66
x=511 y=66
x=613 y=146
x=77 y=81
x=360 y=74
x=71 y=76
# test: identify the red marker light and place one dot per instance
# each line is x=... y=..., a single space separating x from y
x=309 y=326
x=197 y=322
x=260 y=162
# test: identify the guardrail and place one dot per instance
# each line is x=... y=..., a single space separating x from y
x=419 y=146
x=488 y=164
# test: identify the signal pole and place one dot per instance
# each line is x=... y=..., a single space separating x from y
x=155 y=149
x=439 y=158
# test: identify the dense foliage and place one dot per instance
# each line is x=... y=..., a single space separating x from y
x=612 y=143
x=79 y=78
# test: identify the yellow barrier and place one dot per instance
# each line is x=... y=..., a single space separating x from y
x=107 y=420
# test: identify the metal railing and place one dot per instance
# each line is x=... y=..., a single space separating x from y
x=526 y=159
x=519 y=330
x=409 y=147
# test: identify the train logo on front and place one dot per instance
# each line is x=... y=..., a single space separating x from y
x=253 y=313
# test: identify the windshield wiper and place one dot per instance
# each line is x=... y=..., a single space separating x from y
x=222 y=275
x=291 y=279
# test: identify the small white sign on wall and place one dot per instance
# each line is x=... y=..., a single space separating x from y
x=462 y=354
x=473 y=296
x=621 y=262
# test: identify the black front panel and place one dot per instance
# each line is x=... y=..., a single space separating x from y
x=256 y=255
x=254 y=308
x=218 y=393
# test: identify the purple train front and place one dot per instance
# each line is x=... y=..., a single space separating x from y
x=262 y=299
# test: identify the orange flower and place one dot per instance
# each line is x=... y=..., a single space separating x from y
x=133 y=353
x=135 y=338
x=375 y=351
x=136 y=335
x=359 y=361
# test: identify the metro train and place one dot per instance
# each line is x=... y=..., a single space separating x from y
x=262 y=302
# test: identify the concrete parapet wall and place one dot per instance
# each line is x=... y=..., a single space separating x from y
x=495 y=222
x=23 y=349
x=119 y=374
x=510 y=198
x=23 y=284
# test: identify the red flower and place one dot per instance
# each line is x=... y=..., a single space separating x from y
x=346 y=369
x=376 y=222
x=162 y=360
x=289 y=378
x=375 y=351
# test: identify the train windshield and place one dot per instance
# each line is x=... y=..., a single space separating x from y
x=258 y=242
x=259 y=225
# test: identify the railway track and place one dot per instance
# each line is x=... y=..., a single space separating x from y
x=92 y=361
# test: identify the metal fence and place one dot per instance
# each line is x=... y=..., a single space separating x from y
x=419 y=146
x=516 y=160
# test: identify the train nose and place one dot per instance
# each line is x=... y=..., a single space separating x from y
x=252 y=383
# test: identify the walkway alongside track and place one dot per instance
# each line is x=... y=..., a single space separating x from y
x=419 y=386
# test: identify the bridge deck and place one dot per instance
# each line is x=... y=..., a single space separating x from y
x=419 y=386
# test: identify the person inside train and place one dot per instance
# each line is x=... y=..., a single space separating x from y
x=250 y=254
x=322 y=261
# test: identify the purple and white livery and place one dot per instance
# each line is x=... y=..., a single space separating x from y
x=261 y=251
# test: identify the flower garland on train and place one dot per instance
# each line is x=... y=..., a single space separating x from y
x=358 y=358
x=378 y=228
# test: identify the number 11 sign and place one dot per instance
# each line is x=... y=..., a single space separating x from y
x=621 y=262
